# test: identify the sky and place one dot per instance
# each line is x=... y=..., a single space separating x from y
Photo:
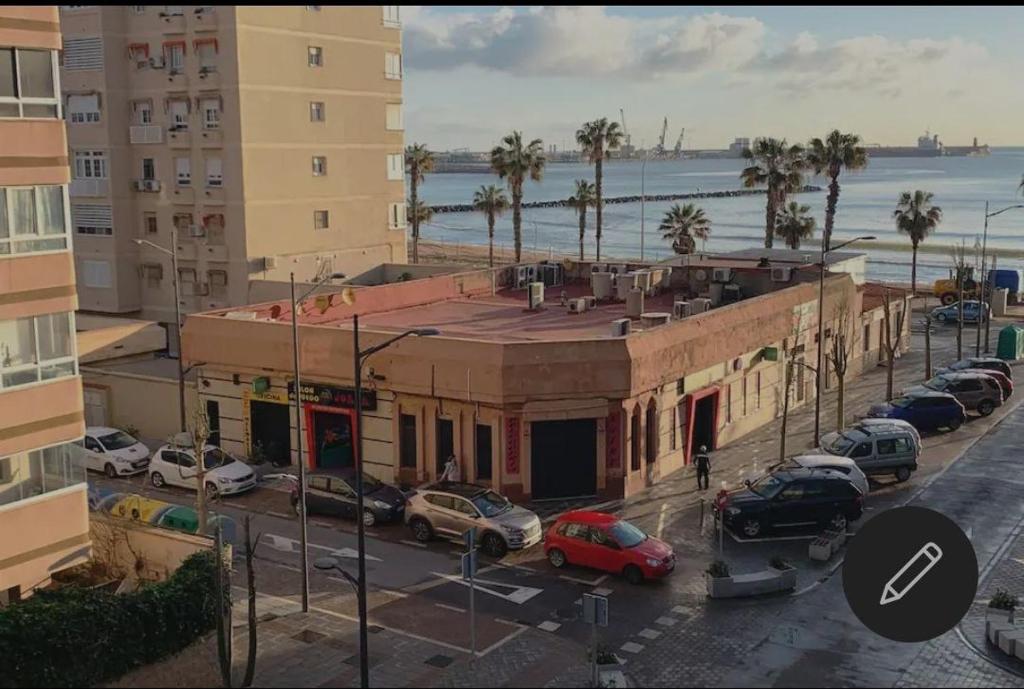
x=474 y=73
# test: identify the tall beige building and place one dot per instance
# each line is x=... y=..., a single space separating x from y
x=270 y=138
x=44 y=511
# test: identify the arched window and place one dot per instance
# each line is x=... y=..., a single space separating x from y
x=634 y=440
x=652 y=432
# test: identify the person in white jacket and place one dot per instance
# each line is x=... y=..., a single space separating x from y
x=452 y=473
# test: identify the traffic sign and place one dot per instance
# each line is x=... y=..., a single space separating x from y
x=595 y=609
x=469 y=538
x=469 y=564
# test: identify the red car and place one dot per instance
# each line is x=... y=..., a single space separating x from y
x=605 y=542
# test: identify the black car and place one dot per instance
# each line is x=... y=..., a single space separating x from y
x=334 y=493
x=791 y=498
x=984 y=363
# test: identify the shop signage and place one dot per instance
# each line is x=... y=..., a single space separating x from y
x=512 y=445
x=770 y=353
x=330 y=396
x=612 y=439
x=260 y=384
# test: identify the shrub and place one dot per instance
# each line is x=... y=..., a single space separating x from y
x=1003 y=600
x=76 y=637
x=718 y=569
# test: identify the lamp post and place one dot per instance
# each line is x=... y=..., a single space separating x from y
x=173 y=253
x=359 y=357
x=821 y=329
x=984 y=282
x=643 y=199
x=303 y=531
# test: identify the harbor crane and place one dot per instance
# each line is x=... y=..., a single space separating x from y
x=625 y=131
x=661 y=139
x=678 y=150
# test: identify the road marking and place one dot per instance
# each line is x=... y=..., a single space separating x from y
x=681 y=610
x=548 y=626
x=519 y=595
x=510 y=623
x=630 y=647
x=500 y=643
x=650 y=634
x=585 y=582
x=450 y=607
x=280 y=515
x=323 y=525
x=666 y=621
x=290 y=545
x=601 y=592
x=415 y=543
x=661 y=518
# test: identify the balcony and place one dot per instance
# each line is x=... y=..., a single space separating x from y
x=209 y=78
x=216 y=252
x=41 y=414
x=179 y=138
x=181 y=194
x=205 y=19
x=211 y=138
x=145 y=134
x=214 y=196
x=173 y=23
x=89 y=187
x=188 y=249
x=151 y=186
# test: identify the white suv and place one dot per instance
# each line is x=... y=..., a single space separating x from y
x=113 y=452
x=176 y=466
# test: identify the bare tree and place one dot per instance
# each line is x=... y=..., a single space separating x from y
x=892 y=344
x=788 y=378
x=198 y=433
x=840 y=351
x=959 y=254
x=250 y=574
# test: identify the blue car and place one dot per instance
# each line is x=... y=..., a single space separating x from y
x=924 y=411
x=972 y=310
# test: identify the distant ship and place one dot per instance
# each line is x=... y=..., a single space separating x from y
x=928 y=146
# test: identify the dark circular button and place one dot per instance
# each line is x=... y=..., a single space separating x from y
x=910 y=574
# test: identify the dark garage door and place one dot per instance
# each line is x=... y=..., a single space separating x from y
x=563 y=458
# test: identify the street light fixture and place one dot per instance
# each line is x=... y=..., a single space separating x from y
x=359 y=358
x=821 y=328
x=984 y=283
x=327 y=564
x=303 y=532
x=173 y=253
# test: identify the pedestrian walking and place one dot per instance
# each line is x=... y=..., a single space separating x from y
x=452 y=473
x=703 y=463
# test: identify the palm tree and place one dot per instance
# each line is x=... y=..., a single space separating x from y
x=418 y=162
x=916 y=217
x=492 y=202
x=514 y=162
x=794 y=225
x=584 y=197
x=417 y=212
x=596 y=139
x=778 y=166
x=1021 y=185
x=684 y=225
x=829 y=157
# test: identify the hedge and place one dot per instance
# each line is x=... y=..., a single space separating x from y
x=76 y=637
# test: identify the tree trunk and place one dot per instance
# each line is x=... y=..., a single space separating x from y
x=927 y=347
x=788 y=380
x=913 y=270
x=250 y=574
x=598 y=181
x=960 y=314
x=840 y=402
x=415 y=216
x=517 y=219
x=583 y=228
x=769 y=220
x=490 y=238
x=223 y=643
x=830 y=210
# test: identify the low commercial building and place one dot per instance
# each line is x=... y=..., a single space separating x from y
x=541 y=401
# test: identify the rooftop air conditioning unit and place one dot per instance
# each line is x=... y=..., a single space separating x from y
x=550 y=274
x=653 y=319
x=151 y=184
x=269 y=262
x=682 y=309
x=644 y=280
x=701 y=304
x=140 y=185
x=617 y=269
x=591 y=302
x=156 y=62
x=601 y=283
x=782 y=274
x=598 y=267
x=624 y=284
x=536 y=295
x=525 y=275
x=721 y=275
x=577 y=306
x=196 y=231
x=241 y=315
x=620 y=327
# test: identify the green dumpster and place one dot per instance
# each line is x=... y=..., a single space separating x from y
x=1011 y=343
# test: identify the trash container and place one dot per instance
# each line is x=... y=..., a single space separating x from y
x=1011 y=343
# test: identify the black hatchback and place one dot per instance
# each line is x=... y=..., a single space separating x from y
x=334 y=493
x=792 y=498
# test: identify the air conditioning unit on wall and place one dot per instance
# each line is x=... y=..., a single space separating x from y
x=721 y=275
x=536 y=295
x=782 y=274
x=620 y=327
x=682 y=309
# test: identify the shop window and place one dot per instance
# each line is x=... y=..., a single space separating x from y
x=408 y=457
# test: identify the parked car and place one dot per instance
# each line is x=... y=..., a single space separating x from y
x=925 y=411
x=824 y=462
x=605 y=542
x=891 y=423
x=976 y=390
x=450 y=509
x=972 y=310
x=113 y=452
x=876 y=449
x=176 y=466
x=791 y=498
x=334 y=493
x=985 y=363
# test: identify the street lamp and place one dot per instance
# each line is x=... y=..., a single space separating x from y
x=173 y=253
x=821 y=329
x=359 y=358
x=298 y=427
x=984 y=283
x=327 y=564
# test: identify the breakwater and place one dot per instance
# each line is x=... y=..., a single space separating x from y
x=468 y=207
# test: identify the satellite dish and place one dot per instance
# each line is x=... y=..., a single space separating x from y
x=701 y=275
x=348 y=295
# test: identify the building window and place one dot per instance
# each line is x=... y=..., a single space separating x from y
x=396 y=216
x=172 y=11
x=744 y=395
x=139 y=54
x=174 y=55
x=206 y=49
x=187 y=280
x=81 y=54
x=408 y=457
x=179 y=108
x=183 y=168
x=320 y=220
x=396 y=166
x=149 y=225
x=90 y=165
x=183 y=223
x=96 y=274
x=32 y=220
x=634 y=440
x=218 y=281
x=148 y=168
x=94 y=219
x=393 y=117
x=319 y=166
x=316 y=56
x=142 y=111
x=393 y=65
x=672 y=429
x=392 y=15
x=317 y=113
x=484 y=452
x=867 y=337
x=84 y=109
x=139 y=9
x=757 y=404
x=214 y=172
x=211 y=113
x=35 y=349
x=313 y=8
x=214 y=227
x=27 y=83
x=153 y=274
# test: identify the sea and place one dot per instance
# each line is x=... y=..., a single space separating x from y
x=961 y=186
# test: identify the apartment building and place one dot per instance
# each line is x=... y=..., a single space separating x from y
x=267 y=139
x=44 y=515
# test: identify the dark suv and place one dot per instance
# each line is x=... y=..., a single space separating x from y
x=976 y=390
x=791 y=498
x=983 y=363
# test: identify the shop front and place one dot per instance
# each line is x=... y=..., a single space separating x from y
x=330 y=418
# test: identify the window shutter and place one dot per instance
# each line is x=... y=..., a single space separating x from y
x=92 y=215
x=83 y=53
x=394 y=117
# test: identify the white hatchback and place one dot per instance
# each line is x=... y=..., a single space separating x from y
x=114 y=452
x=176 y=466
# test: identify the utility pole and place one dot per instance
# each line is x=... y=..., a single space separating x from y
x=927 y=346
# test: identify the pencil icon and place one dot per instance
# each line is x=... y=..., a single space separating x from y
x=911 y=573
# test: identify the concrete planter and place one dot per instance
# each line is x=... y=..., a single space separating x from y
x=754 y=584
x=826 y=545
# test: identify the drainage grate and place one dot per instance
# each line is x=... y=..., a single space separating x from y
x=439 y=661
x=308 y=636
